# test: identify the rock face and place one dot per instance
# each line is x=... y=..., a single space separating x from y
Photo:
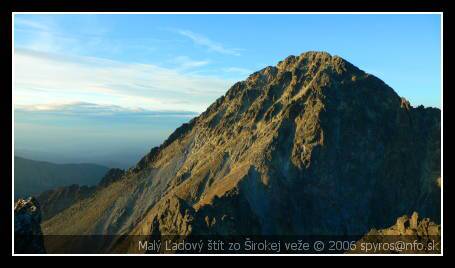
x=311 y=146
x=28 y=237
x=408 y=230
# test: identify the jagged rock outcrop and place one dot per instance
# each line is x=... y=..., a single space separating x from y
x=112 y=175
x=409 y=235
x=313 y=145
x=28 y=237
x=230 y=215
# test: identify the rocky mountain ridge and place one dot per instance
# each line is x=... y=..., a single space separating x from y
x=58 y=199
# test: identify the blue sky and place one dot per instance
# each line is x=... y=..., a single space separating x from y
x=109 y=66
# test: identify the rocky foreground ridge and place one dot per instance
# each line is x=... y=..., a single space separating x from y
x=27 y=229
x=409 y=235
x=313 y=145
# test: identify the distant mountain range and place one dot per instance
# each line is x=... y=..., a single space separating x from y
x=120 y=159
x=312 y=146
x=31 y=177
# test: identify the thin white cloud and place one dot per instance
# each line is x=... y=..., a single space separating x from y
x=93 y=109
x=33 y=24
x=185 y=63
x=46 y=34
x=42 y=78
x=239 y=70
x=210 y=44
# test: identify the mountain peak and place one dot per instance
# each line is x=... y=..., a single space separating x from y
x=312 y=145
x=310 y=62
x=308 y=58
